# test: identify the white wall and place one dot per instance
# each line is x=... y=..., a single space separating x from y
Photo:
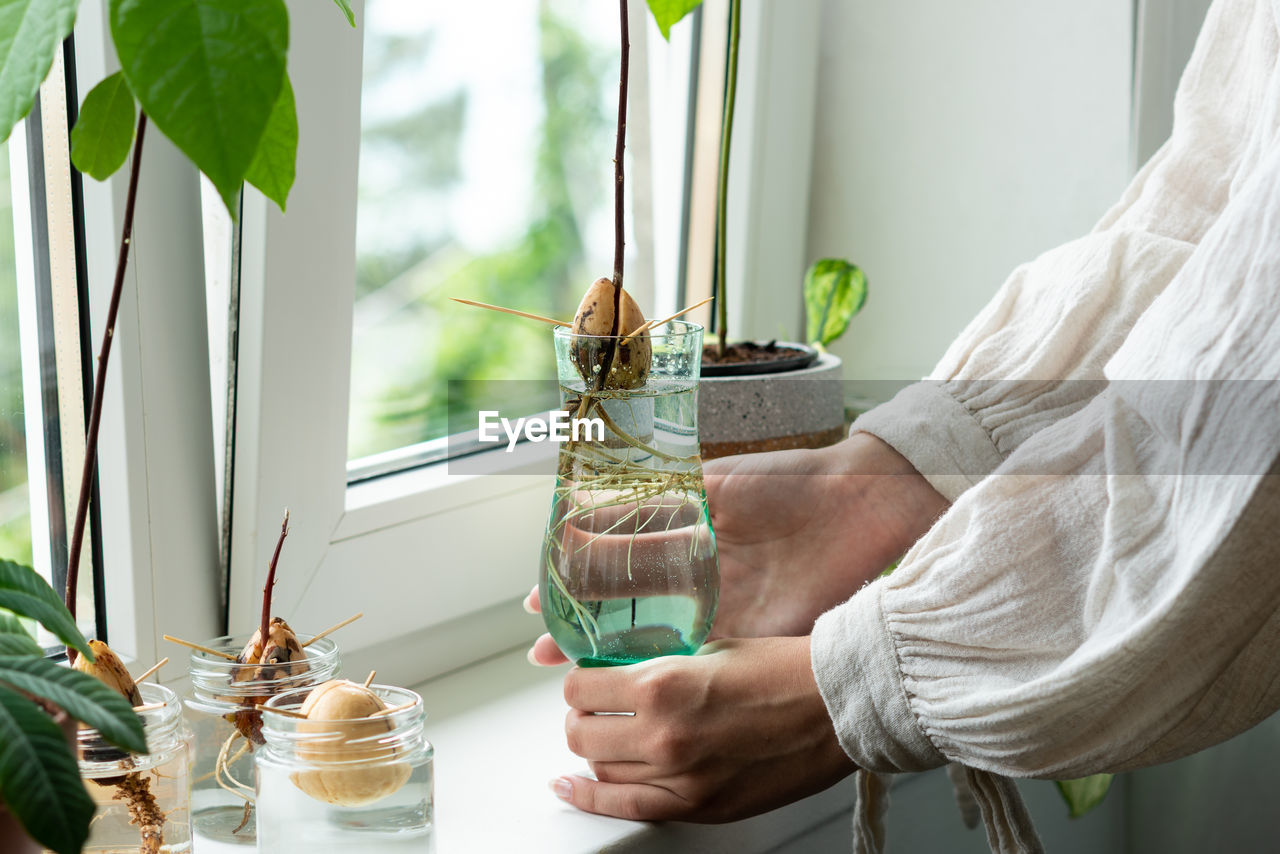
x=954 y=141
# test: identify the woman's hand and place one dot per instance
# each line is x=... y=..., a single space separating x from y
x=799 y=532
x=736 y=730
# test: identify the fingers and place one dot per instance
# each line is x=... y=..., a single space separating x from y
x=634 y=801
x=545 y=653
x=612 y=689
x=607 y=738
x=623 y=772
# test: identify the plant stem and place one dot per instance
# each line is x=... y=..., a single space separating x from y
x=100 y=380
x=619 y=147
x=722 y=201
x=618 y=242
x=265 y=625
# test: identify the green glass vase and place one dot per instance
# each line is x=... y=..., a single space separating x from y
x=629 y=568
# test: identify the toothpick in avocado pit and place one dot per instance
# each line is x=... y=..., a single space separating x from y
x=654 y=324
x=348 y=621
x=216 y=653
x=152 y=669
x=516 y=312
x=288 y=713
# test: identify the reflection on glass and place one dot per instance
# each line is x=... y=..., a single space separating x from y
x=485 y=172
x=15 y=509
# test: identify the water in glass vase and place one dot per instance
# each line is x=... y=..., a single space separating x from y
x=629 y=568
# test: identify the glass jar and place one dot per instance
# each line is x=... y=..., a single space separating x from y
x=353 y=785
x=143 y=800
x=629 y=566
x=227 y=727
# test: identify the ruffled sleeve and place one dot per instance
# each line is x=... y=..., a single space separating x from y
x=1108 y=598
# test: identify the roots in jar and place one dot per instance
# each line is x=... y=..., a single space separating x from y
x=636 y=491
x=133 y=788
x=144 y=812
x=226 y=780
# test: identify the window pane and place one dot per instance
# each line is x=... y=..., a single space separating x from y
x=486 y=173
x=42 y=329
x=15 y=507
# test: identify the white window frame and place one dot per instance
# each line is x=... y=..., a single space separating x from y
x=155 y=452
x=436 y=562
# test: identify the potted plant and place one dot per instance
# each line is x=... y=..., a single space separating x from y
x=768 y=395
x=42 y=799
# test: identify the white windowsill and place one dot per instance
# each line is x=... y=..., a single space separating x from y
x=498 y=732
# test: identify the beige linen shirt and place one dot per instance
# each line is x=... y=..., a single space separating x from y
x=1104 y=592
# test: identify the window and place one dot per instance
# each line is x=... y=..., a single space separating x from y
x=42 y=335
x=153 y=535
x=473 y=183
x=493 y=180
x=437 y=560
x=14 y=505
x=155 y=456
x=15 y=509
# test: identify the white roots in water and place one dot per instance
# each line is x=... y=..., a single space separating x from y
x=613 y=481
x=224 y=778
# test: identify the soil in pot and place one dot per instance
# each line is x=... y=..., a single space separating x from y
x=755 y=357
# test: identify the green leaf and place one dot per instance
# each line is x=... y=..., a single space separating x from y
x=345 y=6
x=666 y=13
x=104 y=131
x=1084 y=793
x=272 y=170
x=39 y=780
x=14 y=640
x=26 y=594
x=834 y=291
x=31 y=31
x=11 y=625
x=208 y=73
x=85 y=698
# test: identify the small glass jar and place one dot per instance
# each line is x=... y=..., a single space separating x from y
x=353 y=785
x=221 y=711
x=143 y=799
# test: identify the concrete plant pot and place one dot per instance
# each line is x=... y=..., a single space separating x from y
x=799 y=408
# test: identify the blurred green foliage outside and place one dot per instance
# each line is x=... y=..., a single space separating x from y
x=410 y=340
x=15 y=512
